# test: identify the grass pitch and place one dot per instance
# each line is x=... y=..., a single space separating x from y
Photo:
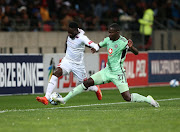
x=84 y=113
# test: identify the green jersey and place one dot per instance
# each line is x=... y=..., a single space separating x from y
x=116 y=53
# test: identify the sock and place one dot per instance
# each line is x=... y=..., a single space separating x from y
x=51 y=85
x=139 y=98
x=93 y=88
x=77 y=90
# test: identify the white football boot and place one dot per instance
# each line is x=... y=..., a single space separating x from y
x=154 y=103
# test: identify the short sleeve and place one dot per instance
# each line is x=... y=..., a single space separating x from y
x=86 y=40
x=124 y=42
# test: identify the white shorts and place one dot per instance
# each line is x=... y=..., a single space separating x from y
x=78 y=70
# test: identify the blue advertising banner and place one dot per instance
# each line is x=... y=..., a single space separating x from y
x=163 y=66
x=21 y=74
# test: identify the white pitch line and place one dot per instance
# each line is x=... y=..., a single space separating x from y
x=77 y=106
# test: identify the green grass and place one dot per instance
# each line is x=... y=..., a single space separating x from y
x=23 y=113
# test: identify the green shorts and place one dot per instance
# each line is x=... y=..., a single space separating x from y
x=105 y=76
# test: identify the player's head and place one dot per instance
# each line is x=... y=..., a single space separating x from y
x=73 y=29
x=114 y=30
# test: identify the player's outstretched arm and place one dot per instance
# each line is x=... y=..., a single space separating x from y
x=93 y=50
x=132 y=48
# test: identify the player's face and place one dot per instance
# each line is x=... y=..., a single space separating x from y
x=72 y=32
x=113 y=34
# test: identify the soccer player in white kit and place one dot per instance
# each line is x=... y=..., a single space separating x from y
x=72 y=62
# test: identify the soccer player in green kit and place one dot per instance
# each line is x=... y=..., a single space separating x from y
x=117 y=47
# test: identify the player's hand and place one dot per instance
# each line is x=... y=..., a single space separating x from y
x=132 y=48
x=93 y=50
x=130 y=43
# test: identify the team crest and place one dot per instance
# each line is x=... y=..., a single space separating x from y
x=110 y=51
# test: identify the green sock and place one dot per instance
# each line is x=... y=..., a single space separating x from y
x=139 y=98
x=77 y=90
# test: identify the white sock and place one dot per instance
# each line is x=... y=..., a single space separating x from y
x=135 y=97
x=51 y=85
x=93 y=88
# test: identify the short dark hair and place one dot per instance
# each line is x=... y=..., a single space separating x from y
x=115 y=26
x=73 y=25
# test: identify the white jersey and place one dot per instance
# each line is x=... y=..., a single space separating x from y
x=76 y=46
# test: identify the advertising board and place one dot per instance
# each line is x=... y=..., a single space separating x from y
x=21 y=74
x=163 y=67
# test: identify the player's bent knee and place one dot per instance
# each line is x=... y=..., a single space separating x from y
x=58 y=72
x=126 y=96
x=89 y=82
x=128 y=99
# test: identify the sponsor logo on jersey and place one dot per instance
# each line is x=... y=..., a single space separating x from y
x=110 y=51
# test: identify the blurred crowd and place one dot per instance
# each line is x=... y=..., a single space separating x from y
x=53 y=15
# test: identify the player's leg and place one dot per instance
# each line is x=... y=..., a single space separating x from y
x=80 y=73
x=77 y=90
x=51 y=85
x=62 y=69
x=135 y=97
x=122 y=85
x=53 y=81
x=95 y=79
x=95 y=89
